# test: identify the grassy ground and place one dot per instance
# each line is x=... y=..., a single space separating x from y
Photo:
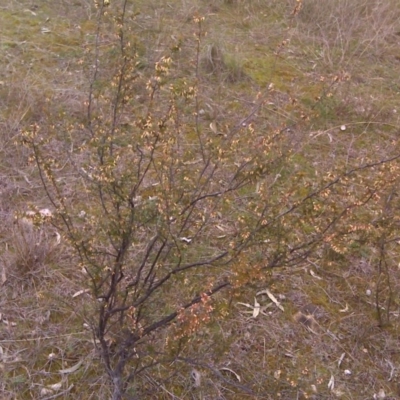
x=334 y=68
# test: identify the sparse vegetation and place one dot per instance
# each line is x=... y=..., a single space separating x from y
x=199 y=200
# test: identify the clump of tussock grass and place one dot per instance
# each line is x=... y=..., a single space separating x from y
x=347 y=30
x=223 y=66
x=31 y=249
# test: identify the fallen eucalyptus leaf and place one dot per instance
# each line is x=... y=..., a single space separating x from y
x=79 y=292
x=71 y=369
x=345 y=309
x=256 y=309
x=331 y=384
x=55 y=386
x=271 y=297
x=213 y=127
x=231 y=371
x=341 y=359
x=314 y=275
x=58 y=238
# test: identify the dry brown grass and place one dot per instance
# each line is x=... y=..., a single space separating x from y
x=347 y=31
x=277 y=354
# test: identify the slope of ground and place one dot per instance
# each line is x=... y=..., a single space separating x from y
x=325 y=328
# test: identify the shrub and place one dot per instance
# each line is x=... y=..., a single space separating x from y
x=168 y=210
